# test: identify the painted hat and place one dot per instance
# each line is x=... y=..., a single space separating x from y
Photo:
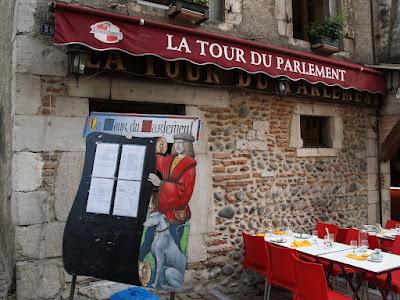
x=184 y=136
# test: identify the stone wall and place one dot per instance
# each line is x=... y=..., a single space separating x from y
x=6 y=77
x=248 y=171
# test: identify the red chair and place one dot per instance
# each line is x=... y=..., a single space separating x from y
x=387 y=245
x=373 y=242
x=390 y=224
x=255 y=257
x=282 y=268
x=381 y=279
x=351 y=234
x=341 y=235
x=311 y=282
x=320 y=227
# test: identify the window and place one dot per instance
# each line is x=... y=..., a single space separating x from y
x=306 y=12
x=314 y=131
x=216 y=10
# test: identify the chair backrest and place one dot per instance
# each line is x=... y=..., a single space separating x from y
x=282 y=267
x=341 y=235
x=320 y=227
x=311 y=281
x=396 y=245
x=390 y=224
x=351 y=234
x=373 y=242
x=255 y=254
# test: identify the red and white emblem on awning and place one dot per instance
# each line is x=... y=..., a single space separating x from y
x=106 y=32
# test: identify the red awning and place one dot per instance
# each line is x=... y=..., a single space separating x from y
x=102 y=30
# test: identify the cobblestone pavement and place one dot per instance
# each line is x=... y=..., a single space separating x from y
x=257 y=294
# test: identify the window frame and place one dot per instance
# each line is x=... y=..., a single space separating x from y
x=334 y=125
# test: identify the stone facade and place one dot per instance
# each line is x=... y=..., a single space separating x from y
x=250 y=172
x=6 y=116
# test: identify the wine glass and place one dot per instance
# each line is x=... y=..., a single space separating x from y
x=353 y=245
x=315 y=236
x=364 y=245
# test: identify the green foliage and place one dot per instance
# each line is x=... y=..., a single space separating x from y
x=332 y=27
x=201 y=2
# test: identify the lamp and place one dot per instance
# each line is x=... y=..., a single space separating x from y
x=76 y=60
x=282 y=87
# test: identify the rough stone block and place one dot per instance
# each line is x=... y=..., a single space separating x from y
x=385 y=195
x=29 y=208
x=258 y=145
x=282 y=26
x=97 y=87
x=201 y=145
x=372 y=165
x=280 y=10
x=168 y=93
x=71 y=106
x=373 y=213
x=31 y=53
x=27 y=97
x=242 y=144
x=262 y=126
x=27 y=171
x=251 y=134
x=385 y=167
x=36 y=280
x=39 y=241
x=102 y=289
x=325 y=110
x=373 y=197
x=371 y=147
x=202 y=195
x=67 y=182
x=197 y=250
x=54 y=235
x=25 y=15
x=48 y=133
x=372 y=182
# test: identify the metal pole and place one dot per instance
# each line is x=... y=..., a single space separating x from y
x=72 y=290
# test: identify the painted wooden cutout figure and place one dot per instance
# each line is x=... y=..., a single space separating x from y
x=164 y=243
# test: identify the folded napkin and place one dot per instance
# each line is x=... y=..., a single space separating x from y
x=279 y=232
x=297 y=244
x=357 y=257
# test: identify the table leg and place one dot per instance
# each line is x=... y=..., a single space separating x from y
x=350 y=282
x=386 y=291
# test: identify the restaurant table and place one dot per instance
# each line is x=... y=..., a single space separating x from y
x=317 y=248
x=390 y=262
x=337 y=255
x=387 y=234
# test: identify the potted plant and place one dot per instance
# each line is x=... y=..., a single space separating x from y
x=193 y=11
x=325 y=36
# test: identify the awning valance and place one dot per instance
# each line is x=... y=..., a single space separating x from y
x=101 y=30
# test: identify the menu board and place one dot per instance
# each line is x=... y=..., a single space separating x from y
x=124 y=190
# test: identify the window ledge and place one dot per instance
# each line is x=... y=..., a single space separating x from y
x=316 y=152
x=152 y=4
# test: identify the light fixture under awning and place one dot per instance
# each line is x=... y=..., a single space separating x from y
x=101 y=30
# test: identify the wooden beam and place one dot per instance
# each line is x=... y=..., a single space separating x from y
x=391 y=143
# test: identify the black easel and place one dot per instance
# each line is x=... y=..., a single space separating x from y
x=72 y=290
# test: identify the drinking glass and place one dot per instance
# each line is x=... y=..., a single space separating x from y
x=397 y=229
x=364 y=245
x=315 y=236
x=353 y=245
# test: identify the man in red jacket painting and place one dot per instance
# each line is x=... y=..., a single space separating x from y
x=178 y=177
